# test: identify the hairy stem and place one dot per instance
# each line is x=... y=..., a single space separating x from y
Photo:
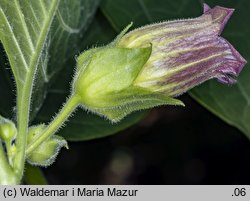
x=55 y=124
x=23 y=107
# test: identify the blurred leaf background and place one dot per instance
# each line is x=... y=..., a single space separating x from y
x=171 y=145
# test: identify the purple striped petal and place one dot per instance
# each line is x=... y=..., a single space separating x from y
x=206 y=8
x=186 y=53
x=219 y=14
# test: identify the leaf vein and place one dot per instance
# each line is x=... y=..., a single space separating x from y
x=14 y=39
x=34 y=15
x=24 y=25
x=43 y=7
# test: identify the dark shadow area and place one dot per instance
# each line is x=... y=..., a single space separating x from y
x=173 y=145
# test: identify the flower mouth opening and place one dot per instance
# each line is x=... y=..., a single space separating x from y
x=227 y=78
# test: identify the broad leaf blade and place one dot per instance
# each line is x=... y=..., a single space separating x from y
x=231 y=103
x=141 y=12
x=70 y=24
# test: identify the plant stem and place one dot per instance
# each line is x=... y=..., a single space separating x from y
x=23 y=107
x=7 y=176
x=25 y=83
x=55 y=124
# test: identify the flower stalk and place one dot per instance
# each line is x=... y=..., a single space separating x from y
x=55 y=124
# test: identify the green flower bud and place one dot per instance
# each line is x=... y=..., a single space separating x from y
x=7 y=130
x=46 y=153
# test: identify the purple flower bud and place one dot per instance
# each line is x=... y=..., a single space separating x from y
x=186 y=53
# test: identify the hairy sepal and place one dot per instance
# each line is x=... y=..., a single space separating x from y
x=134 y=99
x=45 y=154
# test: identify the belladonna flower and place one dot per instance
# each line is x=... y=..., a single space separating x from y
x=151 y=65
x=186 y=53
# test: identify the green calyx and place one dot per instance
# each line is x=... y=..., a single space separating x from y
x=134 y=99
x=108 y=72
x=46 y=153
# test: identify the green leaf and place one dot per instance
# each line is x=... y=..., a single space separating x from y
x=67 y=30
x=23 y=31
x=141 y=12
x=70 y=24
x=99 y=33
x=231 y=103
